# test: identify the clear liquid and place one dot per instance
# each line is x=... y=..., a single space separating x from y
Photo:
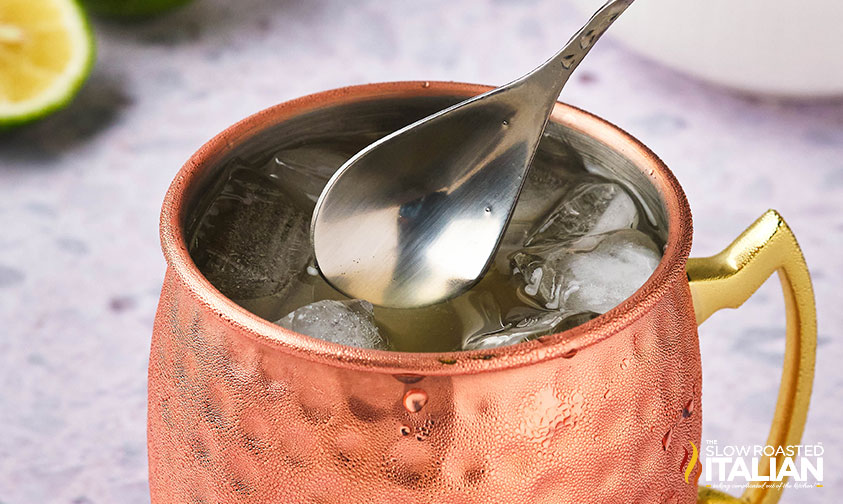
x=237 y=241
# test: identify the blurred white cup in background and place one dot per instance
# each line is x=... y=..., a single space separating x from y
x=779 y=47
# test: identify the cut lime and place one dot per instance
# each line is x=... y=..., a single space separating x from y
x=46 y=53
x=132 y=8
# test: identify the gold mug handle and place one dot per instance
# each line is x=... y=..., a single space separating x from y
x=729 y=278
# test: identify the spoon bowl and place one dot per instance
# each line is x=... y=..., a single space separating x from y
x=416 y=217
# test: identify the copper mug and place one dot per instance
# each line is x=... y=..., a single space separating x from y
x=244 y=411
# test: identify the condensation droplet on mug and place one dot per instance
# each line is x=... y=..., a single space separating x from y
x=425 y=84
x=688 y=410
x=569 y=354
x=625 y=363
x=414 y=400
x=405 y=430
x=587 y=39
x=607 y=394
x=408 y=378
x=668 y=436
x=488 y=209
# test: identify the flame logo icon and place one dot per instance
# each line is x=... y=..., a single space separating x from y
x=692 y=462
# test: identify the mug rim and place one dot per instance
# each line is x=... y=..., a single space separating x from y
x=671 y=268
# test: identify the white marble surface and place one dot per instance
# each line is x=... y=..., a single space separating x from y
x=80 y=265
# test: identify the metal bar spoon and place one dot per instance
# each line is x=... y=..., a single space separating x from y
x=416 y=217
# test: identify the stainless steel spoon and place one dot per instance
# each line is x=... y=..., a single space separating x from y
x=416 y=217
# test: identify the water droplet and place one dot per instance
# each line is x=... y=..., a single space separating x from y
x=405 y=430
x=587 y=39
x=568 y=61
x=688 y=410
x=607 y=394
x=409 y=378
x=505 y=122
x=488 y=209
x=414 y=400
x=425 y=84
x=420 y=437
x=625 y=363
x=668 y=436
x=569 y=354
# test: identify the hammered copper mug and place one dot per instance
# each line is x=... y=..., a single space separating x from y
x=244 y=411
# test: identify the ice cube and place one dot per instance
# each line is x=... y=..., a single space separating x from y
x=527 y=326
x=252 y=239
x=595 y=273
x=588 y=208
x=349 y=323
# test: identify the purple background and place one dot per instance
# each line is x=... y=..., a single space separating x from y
x=81 y=268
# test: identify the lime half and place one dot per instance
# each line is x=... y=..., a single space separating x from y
x=46 y=53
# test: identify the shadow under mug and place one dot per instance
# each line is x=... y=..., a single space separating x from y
x=244 y=411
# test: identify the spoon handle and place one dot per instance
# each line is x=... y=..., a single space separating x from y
x=555 y=72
